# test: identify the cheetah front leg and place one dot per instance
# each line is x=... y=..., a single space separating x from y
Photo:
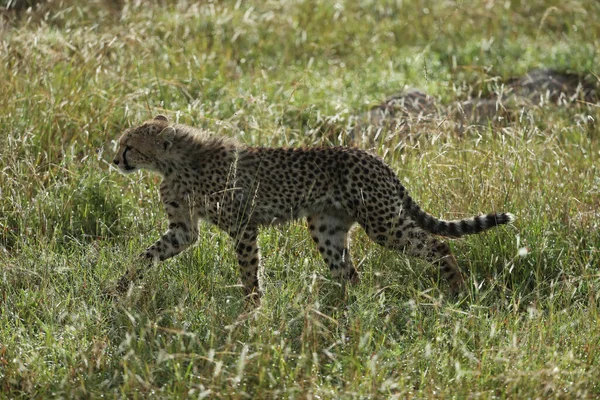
x=248 y=255
x=182 y=233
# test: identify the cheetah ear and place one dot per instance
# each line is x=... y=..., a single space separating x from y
x=166 y=136
x=161 y=117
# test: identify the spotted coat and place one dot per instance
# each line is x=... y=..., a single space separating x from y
x=240 y=189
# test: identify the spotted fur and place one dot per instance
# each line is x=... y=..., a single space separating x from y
x=240 y=189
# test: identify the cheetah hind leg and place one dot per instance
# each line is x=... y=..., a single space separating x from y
x=330 y=234
x=134 y=274
x=424 y=245
x=416 y=242
x=448 y=267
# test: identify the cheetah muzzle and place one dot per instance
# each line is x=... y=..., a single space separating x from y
x=240 y=189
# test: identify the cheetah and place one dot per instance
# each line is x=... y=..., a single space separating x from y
x=240 y=189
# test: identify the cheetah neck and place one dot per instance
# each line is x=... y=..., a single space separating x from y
x=192 y=156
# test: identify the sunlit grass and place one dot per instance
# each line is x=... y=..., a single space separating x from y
x=75 y=74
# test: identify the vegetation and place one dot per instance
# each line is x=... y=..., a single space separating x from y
x=75 y=73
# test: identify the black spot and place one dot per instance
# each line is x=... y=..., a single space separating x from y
x=464 y=227
x=351 y=273
x=442 y=227
x=322 y=228
x=479 y=224
x=453 y=229
x=174 y=204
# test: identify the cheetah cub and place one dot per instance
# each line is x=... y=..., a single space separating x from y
x=240 y=189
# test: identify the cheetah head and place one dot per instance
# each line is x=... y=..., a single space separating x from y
x=144 y=146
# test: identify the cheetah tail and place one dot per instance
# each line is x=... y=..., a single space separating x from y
x=457 y=228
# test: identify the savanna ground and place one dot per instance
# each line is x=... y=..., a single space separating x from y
x=74 y=74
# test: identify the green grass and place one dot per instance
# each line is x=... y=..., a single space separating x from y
x=75 y=74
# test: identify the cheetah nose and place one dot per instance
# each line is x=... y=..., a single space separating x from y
x=116 y=161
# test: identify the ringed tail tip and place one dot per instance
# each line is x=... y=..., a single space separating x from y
x=511 y=218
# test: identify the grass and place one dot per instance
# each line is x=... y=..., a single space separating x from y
x=75 y=74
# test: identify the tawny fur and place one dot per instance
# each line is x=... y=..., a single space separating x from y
x=240 y=189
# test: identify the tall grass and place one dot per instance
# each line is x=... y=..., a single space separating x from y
x=75 y=74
